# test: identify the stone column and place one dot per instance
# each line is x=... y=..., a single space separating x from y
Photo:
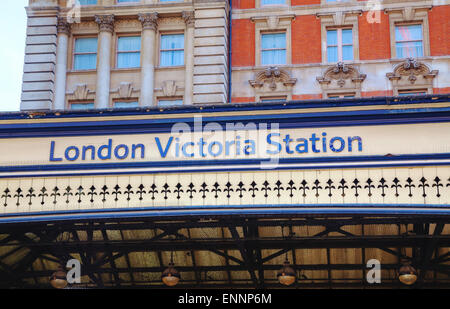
x=148 y=48
x=106 y=29
x=189 y=18
x=61 y=64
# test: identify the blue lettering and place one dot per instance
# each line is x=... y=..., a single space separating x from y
x=163 y=153
x=52 y=153
x=270 y=142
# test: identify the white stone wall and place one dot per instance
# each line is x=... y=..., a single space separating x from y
x=40 y=59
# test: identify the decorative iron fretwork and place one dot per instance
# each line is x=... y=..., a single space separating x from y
x=269 y=188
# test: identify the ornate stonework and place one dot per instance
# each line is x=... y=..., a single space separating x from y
x=341 y=73
x=189 y=18
x=105 y=22
x=63 y=26
x=412 y=70
x=272 y=76
x=149 y=21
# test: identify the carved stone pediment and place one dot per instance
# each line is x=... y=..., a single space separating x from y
x=125 y=90
x=169 y=88
x=81 y=92
x=410 y=70
x=340 y=74
x=272 y=76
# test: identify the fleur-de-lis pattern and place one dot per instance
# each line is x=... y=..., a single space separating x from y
x=294 y=187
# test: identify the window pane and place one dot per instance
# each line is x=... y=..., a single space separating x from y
x=332 y=37
x=81 y=106
x=129 y=43
x=408 y=33
x=270 y=57
x=128 y=60
x=86 y=45
x=85 y=62
x=168 y=103
x=87 y=2
x=126 y=104
x=264 y=2
x=172 y=58
x=172 y=41
x=332 y=54
x=409 y=49
x=347 y=37
x=347 y=52
x=276 y=40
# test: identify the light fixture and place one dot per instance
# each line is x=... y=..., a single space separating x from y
x=286 y=275
x=170 y=276
x=58 y=279
x=407 y=274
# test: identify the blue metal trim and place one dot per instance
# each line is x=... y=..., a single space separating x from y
x=141 y=127
x=193 y=211
x=194 y=163
x=137 y=172
x=348 y=102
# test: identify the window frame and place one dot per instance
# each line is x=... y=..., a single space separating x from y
x=72 y=102
x=160 y=50
x=74 y=40
x=415 y=16
x=395 y=39
x=262 y=33
x=340 y=45
x=116 y=58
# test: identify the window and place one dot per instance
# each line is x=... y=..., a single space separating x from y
x=273 y=99
x=125 y=1
x=268 y=2
x=273 y=48
x=85 y=54
x=126 y=104
x=408 y=41
x=172 y=50
x=339 y=45
x=412 y=92
x=169 y=103
x=129 y=52
x=341 y=95
x=81 y=106
x=87 y=2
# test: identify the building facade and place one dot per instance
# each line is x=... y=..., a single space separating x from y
x=165 y=53
x=127 y=158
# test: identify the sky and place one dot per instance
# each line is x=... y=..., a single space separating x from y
x=13 y=22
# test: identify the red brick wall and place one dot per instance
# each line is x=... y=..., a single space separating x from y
x=306 y=97
x=243 y=43
x=306 y=40
x=304 y=2
x=374 y=38
x=441 y=90
x=243 y=4
x=243 y=100
x=439 y=22
x=381 y=93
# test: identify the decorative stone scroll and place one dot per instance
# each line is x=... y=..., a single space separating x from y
x=105 y=22
x=412 y=70
x=272 y=76
x=342 y=73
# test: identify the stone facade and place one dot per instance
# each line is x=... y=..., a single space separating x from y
x=51 y=83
